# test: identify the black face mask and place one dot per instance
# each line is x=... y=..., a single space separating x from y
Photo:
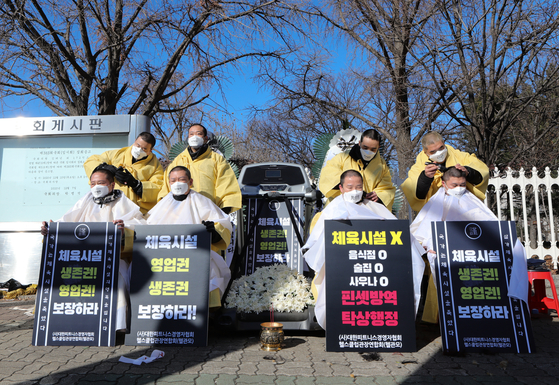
x=196 y=153
x=180 y=198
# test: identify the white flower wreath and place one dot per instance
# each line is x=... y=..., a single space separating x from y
x=274 y=287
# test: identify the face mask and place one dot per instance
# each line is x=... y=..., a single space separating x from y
x=179 y=188
x=353 y=196
x=195 y=141
x=138 y=153
x=456 y=191
x=99 y=191
x=367 y=155
x=439 y=156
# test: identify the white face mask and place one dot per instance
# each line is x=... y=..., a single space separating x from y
x=138 y=153
x=99 y=191
x=353 y=196
x=439 y=156
x=195 y=141
x=179 y=188
x=367 y=155
x=456 y=191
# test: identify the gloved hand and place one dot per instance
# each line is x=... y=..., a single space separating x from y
x=210 y=226
x=131 y=181
x=123 y=176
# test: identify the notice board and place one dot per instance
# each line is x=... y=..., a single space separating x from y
x=42 y=176
x=42 y=159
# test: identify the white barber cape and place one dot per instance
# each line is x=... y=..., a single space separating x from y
x=192 y=211
x=315 y=254
x=86 y=210
x=468 y=207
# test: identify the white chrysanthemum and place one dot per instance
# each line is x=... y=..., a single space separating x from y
x=271 y=287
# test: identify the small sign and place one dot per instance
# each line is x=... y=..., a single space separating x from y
x=78 y=285
x=169 y=286
x=369 y=286
x=473 y=271
x=273 y=239
x=66 y=125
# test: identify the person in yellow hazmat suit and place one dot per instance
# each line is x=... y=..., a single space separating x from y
x=212 y=176
x=139 y=174
x=186 y=206
x=365 y=158
x=424 y=177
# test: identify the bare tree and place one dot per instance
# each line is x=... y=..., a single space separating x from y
x=249 y=146
x=498 y=59
x=172 y=126
x=128 y=56
x=388 y=90
x=314 y=102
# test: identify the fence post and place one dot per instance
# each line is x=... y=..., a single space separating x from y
x=543 y=234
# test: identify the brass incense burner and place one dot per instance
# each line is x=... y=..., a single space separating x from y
x=271 y=336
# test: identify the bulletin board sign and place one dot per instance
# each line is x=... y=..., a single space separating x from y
x=369 y=286
x=473 y=271
x=169 y=287
x=274 y=239
x=78 y=285
x=42 y=158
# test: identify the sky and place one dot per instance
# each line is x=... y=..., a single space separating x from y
x=241 y=93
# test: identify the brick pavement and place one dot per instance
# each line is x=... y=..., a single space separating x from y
x=236 y=358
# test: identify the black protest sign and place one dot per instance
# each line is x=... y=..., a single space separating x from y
x=273 y=238
x=169 y=286
x=473 y=271
x=77 y=291
x=369 y=286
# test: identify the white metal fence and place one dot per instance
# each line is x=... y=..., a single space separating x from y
x=531 y=199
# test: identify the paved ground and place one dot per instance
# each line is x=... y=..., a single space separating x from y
x=236 y=358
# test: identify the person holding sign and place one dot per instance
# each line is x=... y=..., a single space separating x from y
x=104 y=203
x=452 y=202
x=212 y=176
x=425 y=176
x=365 y=158
x=351 y=204
x=184 y=206
x=138 y=171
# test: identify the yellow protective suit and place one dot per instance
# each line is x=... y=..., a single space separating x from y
x=212 y=177
x=454 y=157
x=376 y=177
x=148 y=171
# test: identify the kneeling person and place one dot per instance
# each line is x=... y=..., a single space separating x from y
x=183 y=206
x=349 y=205
x=104 y=203
x=452 y=202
